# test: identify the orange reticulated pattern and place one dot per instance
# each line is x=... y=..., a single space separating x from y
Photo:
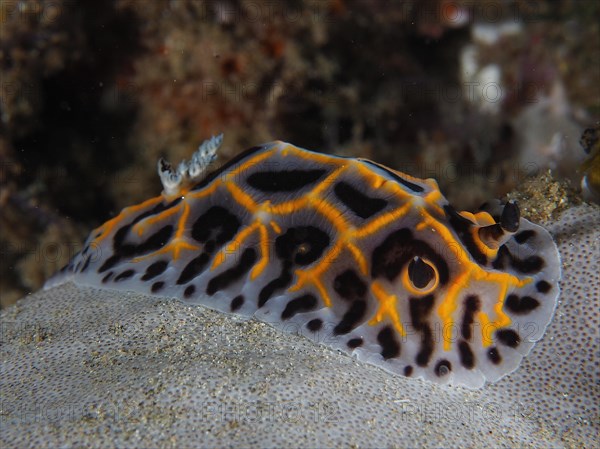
x=264 y=227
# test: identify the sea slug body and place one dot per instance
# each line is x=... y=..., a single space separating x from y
x=349 y=253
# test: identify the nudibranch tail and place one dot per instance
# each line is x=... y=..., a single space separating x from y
x=347 y=252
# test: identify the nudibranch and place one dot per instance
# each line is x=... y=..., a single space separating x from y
x=347 y=252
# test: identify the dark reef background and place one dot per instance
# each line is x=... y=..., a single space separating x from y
x=480 y=95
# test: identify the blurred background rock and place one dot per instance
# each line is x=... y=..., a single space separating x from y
x=479 y=95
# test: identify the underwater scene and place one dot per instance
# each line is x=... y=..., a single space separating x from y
x=306 y=223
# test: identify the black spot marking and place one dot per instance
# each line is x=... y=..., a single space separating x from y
x=314 y=325
x=410 y=185
x=472 y=306
x=302 y=245
x=215 y=174
x=189 y=291
x=157 y=286
x=210 y=246
x=126 y=250
x=284 y=180
x=530 y=265
x=543 y=286
x=419 y=309
x=467 y=358
x=494 y=355
x=508 y=337
x=523 y=236
x=124 y=275
x=462 y=227
x=231 y=275
x=108 y=276
x=155 y=269
x=408 y=370
x=155 y=242
x=303 y=303
x=237 y=302
x=86 y=264
x=442 y=368
x=533 y=264
x=193 y=268
x=297 y=246
x=362 y=205
x=215 y=227
x=521 y=306
x=420 y=273
x=277 y=284
x=399 y=248
x=390 y=347
x=503 y=255
x=109 y=263
x=354 y=343
x=349 y=286
x=351 y=318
